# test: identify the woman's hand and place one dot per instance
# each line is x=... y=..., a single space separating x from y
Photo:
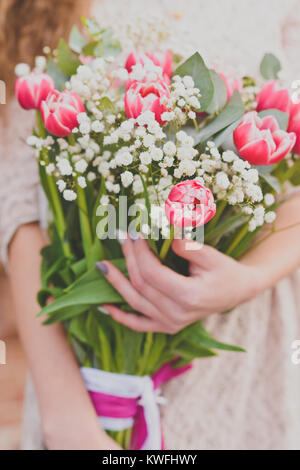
x=170 y=301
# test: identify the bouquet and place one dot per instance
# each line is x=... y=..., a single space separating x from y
x=155 y=143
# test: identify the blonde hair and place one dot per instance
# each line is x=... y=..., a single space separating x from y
x=27 y=26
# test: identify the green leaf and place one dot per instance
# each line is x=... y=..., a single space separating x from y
x=92 y=49
x=76 y=40
x=225 y=227
x=281 y=117
x=272 y=181
x=220 y=94
x=190 y=351
x=233 y=111
x=270 y=66
x=96 y=292
x=65 y=313
x=46 y=293
x=222 y=136
x=59 y=78
x=105 y=104
x=67 y=61
x=295 y=178
x=196 y=68
x=92 y=27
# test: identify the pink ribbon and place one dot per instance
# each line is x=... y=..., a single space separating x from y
x=112 y=406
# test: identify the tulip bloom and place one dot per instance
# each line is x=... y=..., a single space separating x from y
x=144 y=96
x=273 y=96
x=59 y=112
x=32 y=89
x=261 y=141
x=294 y=125
x=190 y=204
x=165 y=61
x=232 y=84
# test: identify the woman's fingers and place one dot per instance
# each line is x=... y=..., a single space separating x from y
x=137 y=322
x=154 y=273
x=204 y=256
x=125 y=288
x=155 y=297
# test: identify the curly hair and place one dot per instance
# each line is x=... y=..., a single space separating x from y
x=27 y=26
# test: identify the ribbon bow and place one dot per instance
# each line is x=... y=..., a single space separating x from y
x=122 y=401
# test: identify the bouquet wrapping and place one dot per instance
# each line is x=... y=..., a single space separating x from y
x=154 y=143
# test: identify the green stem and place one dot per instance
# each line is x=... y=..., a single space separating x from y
x=166 y=245
x=40 y=125
x=145 y=357
x=238 y=239
x=215 y=220
x=86 y=233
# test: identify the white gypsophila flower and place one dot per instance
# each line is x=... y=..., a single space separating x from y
x=126 y=178
x=269 y=199
x=103 y=169
x=148 y=140
x=22 y=69
x=63 y=144
x=81 y=166
x=252 y=225
x=137 y=186
x=32 y=141
x=168 y=116
x=188 y=81
x=194 y=102
x=222 y=180
x=69 y=195
x=251 y=175
x=110 y=119
x=82 y=182
x=187 y=167
x=270 y=217
x=97 y=126
x=91 y=176
x=50 y=168
x=254 y=192
x=170 y=149
x=145 y=158
x=192 y=115
x=64 y=167
x=259 y=212
x=61 y=184
x=40 y=63
x=239 y=165
x=228 y=156
x=49 y=141
x=156 y=154
x=104 y=201
x=123 y=157
x=83 y=117
x=89 y=153
x=85 y=128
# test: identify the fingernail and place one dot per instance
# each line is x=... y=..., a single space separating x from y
x=103 y=310
x=133 y=235
x=102 y=268
x=121 y=236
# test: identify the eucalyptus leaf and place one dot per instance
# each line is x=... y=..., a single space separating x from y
x=222 y=137
x=270 y=66
x=272 y=181
x=67 y=61
x=76 y=40
x=196 y=68
x=233 y=111
x=220 y=94
x=58 y=76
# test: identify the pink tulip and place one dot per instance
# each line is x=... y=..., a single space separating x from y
x=260 y=141
x=144 y=96
x=32 y=89
x=232 y=84
x=190 y=204
x=273 y=96
x=165 y=61
x=59 y=112
x=294 y=124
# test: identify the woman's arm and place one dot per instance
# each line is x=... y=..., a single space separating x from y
x=68 y=417
x=217 y=283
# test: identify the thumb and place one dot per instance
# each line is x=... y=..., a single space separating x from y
x=202 y=255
